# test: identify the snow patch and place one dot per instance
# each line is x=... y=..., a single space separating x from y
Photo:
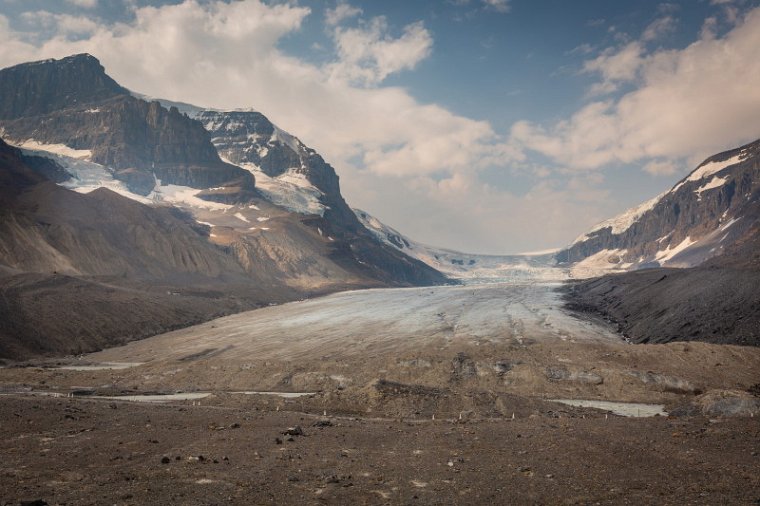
x=184 y=196
x=603 y=262
x=262 y=218
x=728 y=224
x=241 y=217
x=667 y=254
x=715 y=182
x=623 y=222
x=285 y=138
x=290 y=190
x=56 y=149
x=710 y=168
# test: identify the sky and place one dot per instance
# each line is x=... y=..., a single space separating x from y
x=485 y=126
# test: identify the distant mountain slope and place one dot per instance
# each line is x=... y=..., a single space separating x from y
x=467 y=266
x=700 y=217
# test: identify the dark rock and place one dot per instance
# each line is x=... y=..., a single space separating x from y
x=322 y=423
x=35 y=89
x=462 y=367
x=165 y=460
x=277 y=441
x=293 y=431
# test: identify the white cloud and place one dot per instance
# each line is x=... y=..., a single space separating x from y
x=685 y=103
x=368 y=54
x=87 y=4
x=341 y=12
x=658 y=28
x=662 y=167
x=65 y=24
x=616 y=66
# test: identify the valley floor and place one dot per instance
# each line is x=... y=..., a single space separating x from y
x=436 y=395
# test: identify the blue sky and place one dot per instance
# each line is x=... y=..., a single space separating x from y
x=491 y=126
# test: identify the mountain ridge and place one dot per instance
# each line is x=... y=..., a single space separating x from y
x=709 y=209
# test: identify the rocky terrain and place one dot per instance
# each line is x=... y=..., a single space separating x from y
x=713 y=207
x=74 y=451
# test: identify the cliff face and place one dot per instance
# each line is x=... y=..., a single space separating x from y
x=249 y=139
x=73 y=102
x=39 y=88
x=701 y=216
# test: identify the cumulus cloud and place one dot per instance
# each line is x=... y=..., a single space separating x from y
x=339 y=13
x=368 y=54
x=685 y=103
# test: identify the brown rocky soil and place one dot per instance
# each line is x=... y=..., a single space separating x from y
x=78 y=451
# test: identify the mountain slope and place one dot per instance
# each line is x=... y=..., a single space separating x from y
x=296 y=177
x=70 y=264
x=710 y=209
x=716 y=302
x=157 y=221
x=708 y=223
x=104 y=136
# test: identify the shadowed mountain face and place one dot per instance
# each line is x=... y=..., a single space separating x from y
x=208 y=243
x=703 y=215
x=37 y=89
x=717 y=301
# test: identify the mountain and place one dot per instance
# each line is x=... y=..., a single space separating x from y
x=694 y=257
x=72 y=102
x=71 y=264
x=147 y=213
x=717 y=301
x=712 y=208
x=467 y=266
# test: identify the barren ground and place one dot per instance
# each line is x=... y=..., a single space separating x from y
x=433 y=396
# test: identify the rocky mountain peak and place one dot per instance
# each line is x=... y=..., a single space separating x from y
x=38 y=88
